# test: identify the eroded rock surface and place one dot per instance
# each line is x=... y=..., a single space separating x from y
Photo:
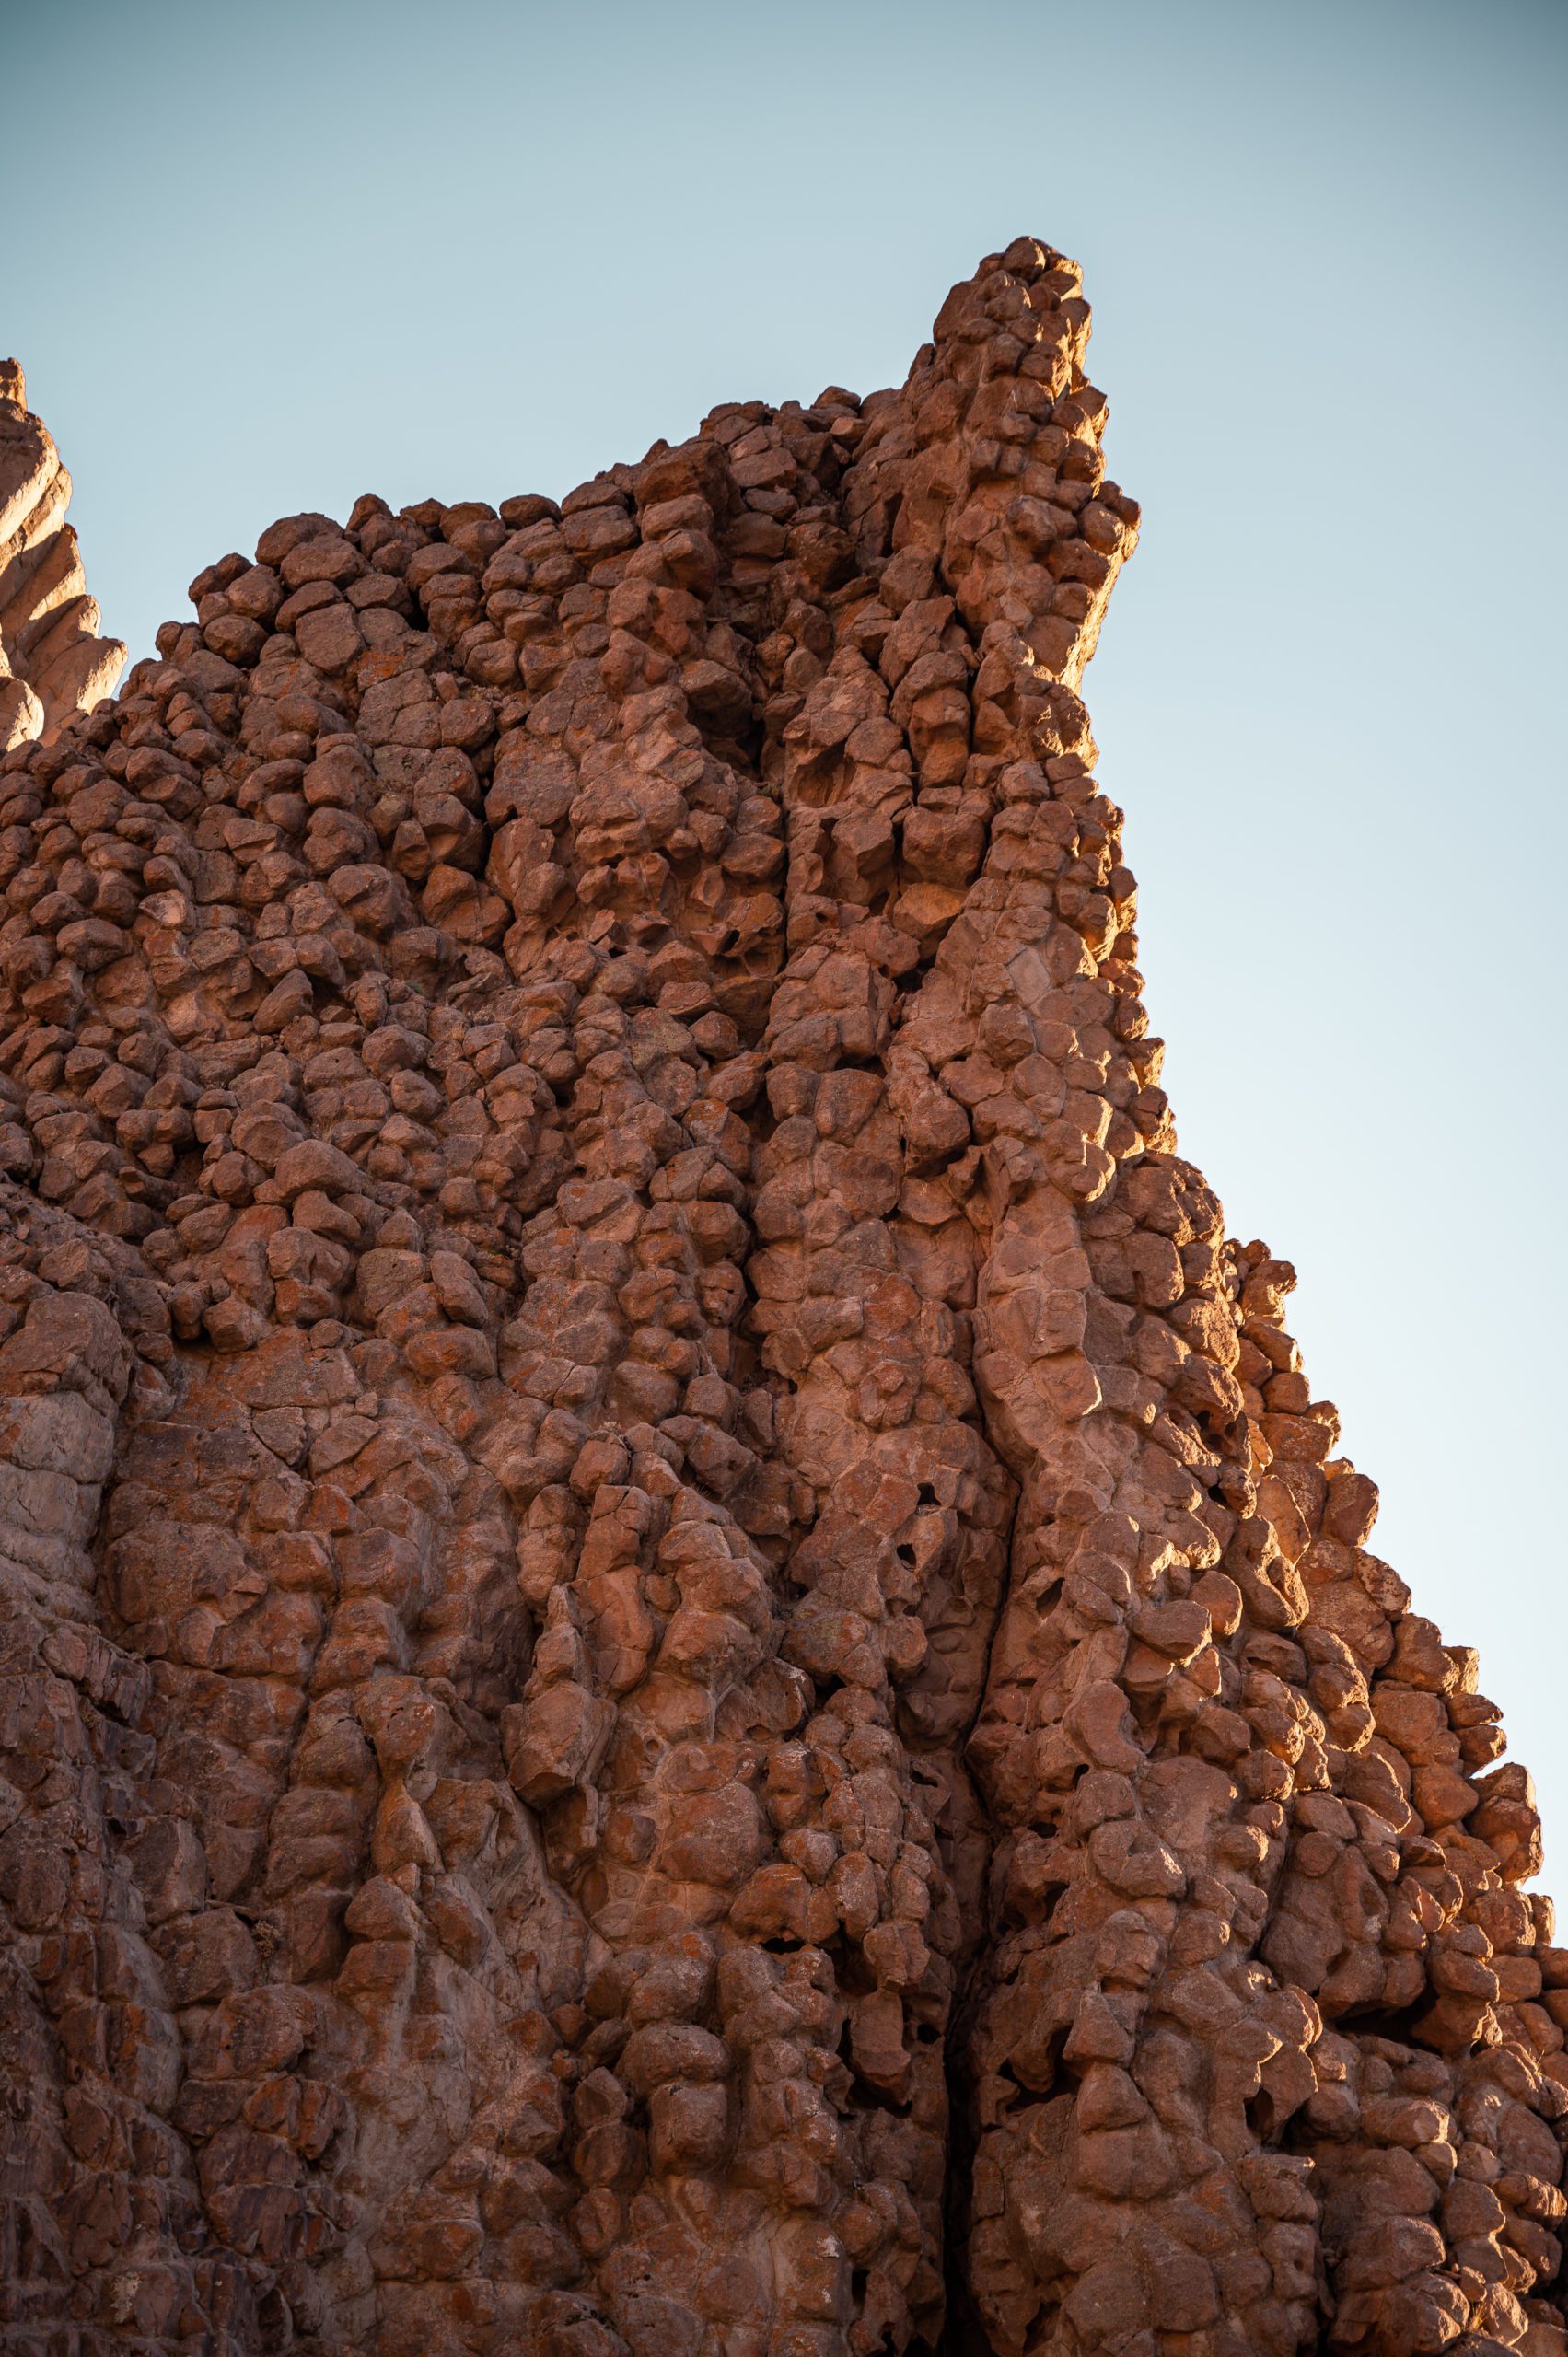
x=687 y=1669
x=52 y=662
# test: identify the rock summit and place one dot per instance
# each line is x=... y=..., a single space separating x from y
x=686 y=1670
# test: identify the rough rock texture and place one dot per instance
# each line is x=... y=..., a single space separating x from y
x=687 y=1668
x=51 y=661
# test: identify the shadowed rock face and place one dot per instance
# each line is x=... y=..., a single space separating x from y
x=688 y=1670
x=51 y=661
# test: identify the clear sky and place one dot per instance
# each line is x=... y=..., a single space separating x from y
x=271 y=257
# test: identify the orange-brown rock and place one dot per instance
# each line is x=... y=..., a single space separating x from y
x=687 y=1671
x=51 y=661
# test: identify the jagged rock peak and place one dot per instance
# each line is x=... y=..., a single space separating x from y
x=688 y=1671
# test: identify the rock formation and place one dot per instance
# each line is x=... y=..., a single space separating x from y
x=687 y=1671
x=51 y=661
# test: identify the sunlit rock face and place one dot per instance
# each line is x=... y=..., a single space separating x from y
x=53 y=664
x=688 y=1671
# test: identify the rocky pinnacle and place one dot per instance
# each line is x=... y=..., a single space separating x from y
x=686 y=1670
x=51 y=661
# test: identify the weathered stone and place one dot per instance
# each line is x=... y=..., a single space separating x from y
x=686 y=1667
x=51 y=661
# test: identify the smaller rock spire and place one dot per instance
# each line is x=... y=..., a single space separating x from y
x=52 y=660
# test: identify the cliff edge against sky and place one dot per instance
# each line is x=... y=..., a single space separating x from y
x=688 y=1670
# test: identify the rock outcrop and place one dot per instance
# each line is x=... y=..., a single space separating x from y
x=51 y=661
x=687 y=1670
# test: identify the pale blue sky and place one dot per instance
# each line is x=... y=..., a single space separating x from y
x=273 y=257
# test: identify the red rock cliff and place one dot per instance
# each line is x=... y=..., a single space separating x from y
x=687 y=1670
